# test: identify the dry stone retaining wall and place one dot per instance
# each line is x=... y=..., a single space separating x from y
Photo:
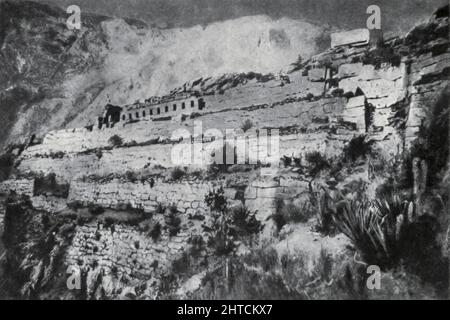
x=288 y=114
x=20 y=186
x=188 y=197
x=121 y=160
x=125 y=250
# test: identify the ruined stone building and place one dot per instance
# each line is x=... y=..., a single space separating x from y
x=155 y=108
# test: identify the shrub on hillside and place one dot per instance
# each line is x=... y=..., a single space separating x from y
x=95 y=209
x=386 y=232
x=75 y=205
x=358 y=147
x=219 y=237
x=298 y=64
x=349 y=94
x=225 y=227
x=115 y=141
x=181 y=265
x=244 y=222
x=264 y=257
x=56 y=155
x=383 y=53
x=197 y=244
x=214 y=169
x=173 y=221
x=317 y=163
x=287 y=161
x=177 y=174
x=131 y=176
x=339 y=92
x=136 y=210
x=247 y=125
x=286 y=213
x=216 y=200
x=47 y=185
x=155 y=232
x=263 y=275
x=99 y=154
x=362 y=225
x=310 y=97
x=160 y=208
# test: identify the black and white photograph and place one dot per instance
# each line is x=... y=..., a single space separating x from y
x=199 y=151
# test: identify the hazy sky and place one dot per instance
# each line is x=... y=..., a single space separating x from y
x=396 y=14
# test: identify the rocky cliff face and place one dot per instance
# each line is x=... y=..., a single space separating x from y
x=355 y=124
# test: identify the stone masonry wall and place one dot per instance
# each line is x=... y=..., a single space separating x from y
x=286 y=114
x=124 y=250
x=20 y=186
x=382 y=88
x=120 y=160
x=25 y=187
x=188 y=197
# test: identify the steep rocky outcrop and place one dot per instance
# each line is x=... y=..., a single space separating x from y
x=35 y=244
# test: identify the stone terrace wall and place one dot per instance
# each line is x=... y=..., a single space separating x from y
x=252 y=92
x=125 y=249
x=286 y=114
x=382 y=88
x=20 y=186
x=73 y=164
x=79 y=139
x=121 y=160
x=26 y=187
x=188 y=197
x=260 y=195
x=49 y=203
x=257 y=93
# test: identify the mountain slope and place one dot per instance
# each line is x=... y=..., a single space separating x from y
x=51 y=77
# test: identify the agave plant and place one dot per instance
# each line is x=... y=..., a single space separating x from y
x=358 y=220
x=375 y=227
x=395 y=214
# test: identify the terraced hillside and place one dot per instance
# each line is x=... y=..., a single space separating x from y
x=355 y=130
